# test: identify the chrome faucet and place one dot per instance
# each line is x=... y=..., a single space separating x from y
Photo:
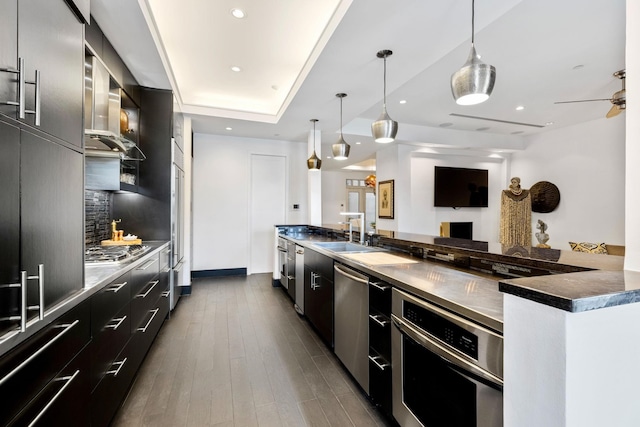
x=361 y=219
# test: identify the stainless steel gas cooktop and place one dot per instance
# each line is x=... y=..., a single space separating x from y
x=100 y=255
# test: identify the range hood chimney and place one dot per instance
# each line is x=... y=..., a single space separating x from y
x=102 y=115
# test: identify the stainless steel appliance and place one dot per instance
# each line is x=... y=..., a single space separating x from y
x=351 y=332
x=446 y=370
x=282 y=262
x=177 y=224
x=299 y=273
x=101 y=255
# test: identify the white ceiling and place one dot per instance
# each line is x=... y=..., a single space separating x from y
x=543 y=51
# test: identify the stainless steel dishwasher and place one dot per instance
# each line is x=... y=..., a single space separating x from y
x=351 y=329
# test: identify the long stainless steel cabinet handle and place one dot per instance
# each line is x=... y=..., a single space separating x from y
x=155 y=282
x=117 y=324
x=147 y=265
x=36 y=109
x=153 y=316
x=115 y=372
x=68 y=380
x=381 y=366
x=116 y=287
x=20 y=102
x=380 y=287
x=446 y=355
x=66 y=329
x=375 y=317
x=337 y=268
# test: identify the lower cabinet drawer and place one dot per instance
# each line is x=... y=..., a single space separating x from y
x=64 y=401
x=143 y=301
x=380 y=382
x=108 y=343
x=28 y=369
x=380 y=334
x=153 y=320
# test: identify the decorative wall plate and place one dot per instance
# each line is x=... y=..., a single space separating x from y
x=545 y=197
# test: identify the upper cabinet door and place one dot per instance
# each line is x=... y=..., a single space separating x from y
x=50 y=40
x=8 y=56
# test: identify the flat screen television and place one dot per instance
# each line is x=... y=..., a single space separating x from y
x=461 y=187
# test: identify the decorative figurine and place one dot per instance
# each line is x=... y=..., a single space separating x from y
x=542 y=236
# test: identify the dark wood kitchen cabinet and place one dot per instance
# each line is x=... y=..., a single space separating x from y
x=42 y=222
x=318 y=293
x=47 y=40
x=45 y=380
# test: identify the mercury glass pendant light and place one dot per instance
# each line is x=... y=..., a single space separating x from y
x=313 y=162
x=384 y=129
x=341 y=148
x=473 y=83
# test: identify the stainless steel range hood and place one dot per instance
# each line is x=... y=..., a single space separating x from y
x=103 y=115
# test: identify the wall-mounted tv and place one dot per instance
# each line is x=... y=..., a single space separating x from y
x=461 y=187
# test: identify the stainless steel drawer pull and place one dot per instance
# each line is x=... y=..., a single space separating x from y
x=115 y=372
x=165 y=294
x=149 y=264
x=314 y=285
x=376 y=318
x=381 y=366
x=117 y=324
x=154 y=283
x=66 y=329
x=380 y=287
x=21 y=82
x=68 y=380
x=153 y=316
x=116 y=287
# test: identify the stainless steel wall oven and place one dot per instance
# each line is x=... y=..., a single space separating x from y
x=447 y=371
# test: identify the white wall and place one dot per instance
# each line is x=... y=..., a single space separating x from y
x=587 y=164
x=221 y=172
x=424 y=218
x=334 y=193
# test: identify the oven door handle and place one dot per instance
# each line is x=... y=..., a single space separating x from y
x=449 y=357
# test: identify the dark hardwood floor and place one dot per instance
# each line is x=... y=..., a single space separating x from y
x=235 y=353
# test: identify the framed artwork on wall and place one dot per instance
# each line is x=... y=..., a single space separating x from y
x=385 y=199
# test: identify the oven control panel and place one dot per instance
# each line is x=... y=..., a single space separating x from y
x=443 y=329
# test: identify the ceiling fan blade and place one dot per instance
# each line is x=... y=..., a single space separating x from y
x=583 y=100
x=614 y=111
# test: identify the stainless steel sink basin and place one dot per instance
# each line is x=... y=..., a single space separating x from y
x=345 y=247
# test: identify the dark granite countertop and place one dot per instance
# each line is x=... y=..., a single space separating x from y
x=578 y=292
x=581 y=281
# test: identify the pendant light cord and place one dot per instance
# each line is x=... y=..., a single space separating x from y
x=473 y=19
x=341 y=118
x=384 y=85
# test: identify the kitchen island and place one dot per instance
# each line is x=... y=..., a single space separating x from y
x=553 y=308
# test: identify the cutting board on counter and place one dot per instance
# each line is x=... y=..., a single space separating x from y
x=378 y=258
x=121 y=242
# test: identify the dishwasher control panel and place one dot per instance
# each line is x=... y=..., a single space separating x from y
x=441 y=328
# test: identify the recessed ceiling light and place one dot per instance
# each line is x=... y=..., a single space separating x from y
x=404 y=101
x=518 y=132
x=445 y=125
x=548 y=123
x=229 y=128
x=328 y=157
x=483 y=128
x=236 y=69
x=358 y=142
x=238 y=13
x=520 y=108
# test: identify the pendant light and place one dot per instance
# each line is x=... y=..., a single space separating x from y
x=384 y=129
x=473 y=83
x=341 y=148
x=313 y=162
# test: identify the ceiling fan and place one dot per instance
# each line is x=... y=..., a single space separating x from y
x=619 y=99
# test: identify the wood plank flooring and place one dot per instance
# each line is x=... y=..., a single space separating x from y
x=235 y=353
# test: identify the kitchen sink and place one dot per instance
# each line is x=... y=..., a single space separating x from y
x=346 y=247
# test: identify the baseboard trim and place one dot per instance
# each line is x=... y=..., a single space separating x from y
x=219 y=273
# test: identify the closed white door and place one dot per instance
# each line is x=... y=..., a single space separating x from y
x=267 y=208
